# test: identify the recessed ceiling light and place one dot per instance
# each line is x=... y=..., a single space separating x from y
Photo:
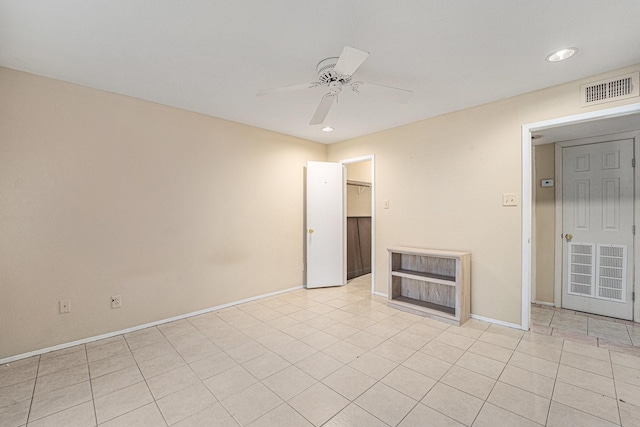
x=327 y=129
x=563 y=54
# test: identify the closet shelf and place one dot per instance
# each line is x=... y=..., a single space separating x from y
x=441 y=310
x=427 y=277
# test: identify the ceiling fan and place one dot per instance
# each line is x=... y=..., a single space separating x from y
x=335 y=73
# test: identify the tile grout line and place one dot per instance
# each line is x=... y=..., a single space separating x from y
x=380 y=381
x=144 y=379
x=177 y=391
x=496 y=383
x=615 y=388
x=439 y=382
x=555 y=381
x=258 y=380
x=33 y=392
x=155 y=401
x=93 y=400
x=52 y=373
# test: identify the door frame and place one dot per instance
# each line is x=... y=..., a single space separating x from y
x=528 y=203
x=370 y=157
x=558 y=263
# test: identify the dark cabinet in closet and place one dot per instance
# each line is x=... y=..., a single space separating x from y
x=358 y=246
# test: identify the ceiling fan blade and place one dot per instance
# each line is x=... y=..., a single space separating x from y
x=287 y=89
x=399 y=95
x=349 y=61
x=323 y=109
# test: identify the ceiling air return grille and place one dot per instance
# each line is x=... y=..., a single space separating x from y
x=610 y=90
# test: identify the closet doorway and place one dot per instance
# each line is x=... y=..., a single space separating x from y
x=360 y=221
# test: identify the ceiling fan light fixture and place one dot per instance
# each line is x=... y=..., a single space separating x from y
x=327 y=129
x=562 y=54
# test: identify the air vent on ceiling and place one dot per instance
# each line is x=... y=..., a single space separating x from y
x=610 y=90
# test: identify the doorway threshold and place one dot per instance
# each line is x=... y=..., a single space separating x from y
x=586 y=328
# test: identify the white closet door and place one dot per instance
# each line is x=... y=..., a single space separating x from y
x=326 y=261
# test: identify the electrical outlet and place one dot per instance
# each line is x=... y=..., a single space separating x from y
x=509 y=199
x=116 y=301
x=65 y=306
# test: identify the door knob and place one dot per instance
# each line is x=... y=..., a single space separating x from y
x=311 y=231
x=568 y=237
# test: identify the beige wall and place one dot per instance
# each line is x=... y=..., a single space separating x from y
x=358 y=201
x=102 y=194
x=444 y=178
x=359 y=198
x=545 y=222
x=359 y=171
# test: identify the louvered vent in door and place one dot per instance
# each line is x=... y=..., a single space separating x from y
x=612 y=272
x=581 y=269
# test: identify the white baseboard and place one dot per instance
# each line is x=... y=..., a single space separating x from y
x=497 y=322
x=136 y=328
x=473 y=316
x=548 y=304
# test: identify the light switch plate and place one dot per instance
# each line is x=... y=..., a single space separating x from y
x=546 y=183
x=509 y=199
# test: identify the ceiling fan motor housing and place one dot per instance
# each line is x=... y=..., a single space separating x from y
x=326 y=73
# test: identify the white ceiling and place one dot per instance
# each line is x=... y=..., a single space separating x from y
x=212 y=56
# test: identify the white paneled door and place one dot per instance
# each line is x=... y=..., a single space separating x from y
x=597 y=211
x=326 y=262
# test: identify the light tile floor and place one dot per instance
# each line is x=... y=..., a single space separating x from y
x=333 y=357
x=584 y=327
